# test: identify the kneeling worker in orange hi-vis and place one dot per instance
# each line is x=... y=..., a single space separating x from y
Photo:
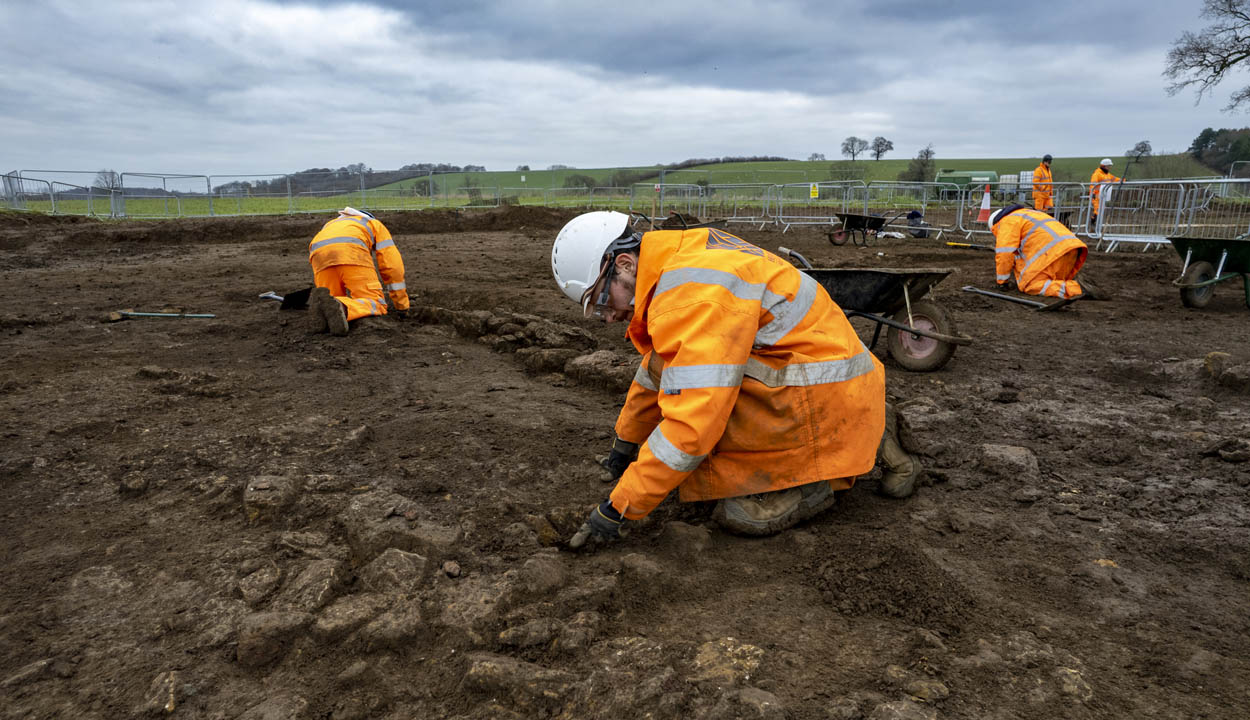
x=753 y=388
x=1038 y=254
x=342 y=256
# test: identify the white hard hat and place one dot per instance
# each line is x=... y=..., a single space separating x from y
x=577 y=254
x=1105 y=161
x=994 y=218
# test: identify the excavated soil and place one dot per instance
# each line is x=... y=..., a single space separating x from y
x=239 y=518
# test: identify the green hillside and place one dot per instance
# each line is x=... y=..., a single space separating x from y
x=799 y=171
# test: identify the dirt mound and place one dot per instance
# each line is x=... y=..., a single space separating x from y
x=868 y=577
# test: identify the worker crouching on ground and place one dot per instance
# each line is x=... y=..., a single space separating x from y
x=1038 y=255
x=342 y=256
x=753 y=389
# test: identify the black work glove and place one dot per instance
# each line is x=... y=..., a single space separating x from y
x=623 y=453
x=604 y=523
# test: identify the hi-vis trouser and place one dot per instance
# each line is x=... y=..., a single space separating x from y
x=358 y=288
x=1056 y=279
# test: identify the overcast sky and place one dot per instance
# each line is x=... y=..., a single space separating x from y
x=261 y=86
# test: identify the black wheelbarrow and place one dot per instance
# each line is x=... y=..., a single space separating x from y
x=920 y=336
x=1208 y=262
x=855 y=225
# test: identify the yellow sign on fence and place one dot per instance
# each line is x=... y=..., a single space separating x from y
x=813 y=191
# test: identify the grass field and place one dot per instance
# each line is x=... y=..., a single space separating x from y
x=546 y=187
x=1077 y=169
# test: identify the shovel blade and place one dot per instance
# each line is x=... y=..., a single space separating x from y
x=1059 y=304
x=297 y=300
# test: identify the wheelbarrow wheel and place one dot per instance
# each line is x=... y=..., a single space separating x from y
x=917 y=352
x=1199 y=272
x=838 y=237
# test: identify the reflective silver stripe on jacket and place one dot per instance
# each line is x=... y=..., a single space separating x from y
x=1056 y=238
x=667 y=453
x=335 y=240
x=643 y=378
x=689 y=377
x=737 y=286
x=1004 y=277
x=1011 y=250
x=396 y=286
x=362 y=222
x=385 y=244
x=813 y=373
x=787 y=314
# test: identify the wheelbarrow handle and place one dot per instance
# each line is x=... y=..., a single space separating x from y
x=787 y=252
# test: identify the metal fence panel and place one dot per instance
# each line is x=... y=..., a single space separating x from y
x=155 y=195
x=818 y=203
x=740 y=203
x=937 y=203
x=249 y=194
x=1149 y=212
x=27 y=194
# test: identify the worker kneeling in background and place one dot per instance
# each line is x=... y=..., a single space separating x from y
x=753 y=388
x=1038 y=254
x=342 y=257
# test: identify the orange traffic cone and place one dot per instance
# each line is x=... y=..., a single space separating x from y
x=984 y=215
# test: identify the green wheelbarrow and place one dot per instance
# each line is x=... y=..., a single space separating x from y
x=1208 y=262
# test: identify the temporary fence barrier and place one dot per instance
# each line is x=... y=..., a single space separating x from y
x=937 y=204
x=26 y=194
x=657 y=200
x=1149 y=212
x=610 y=198
x=817 y=203
x=1137 y=213
x=739 y=203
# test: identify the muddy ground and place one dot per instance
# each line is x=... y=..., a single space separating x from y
x=238 y=518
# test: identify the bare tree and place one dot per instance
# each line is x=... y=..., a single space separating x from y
x=1139 y=151
x=107 y=179
x=920 y=169
x=816 y=157
x=1202 y=60
x=853 y=147
x=880 y=146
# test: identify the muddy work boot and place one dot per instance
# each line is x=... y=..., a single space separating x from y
x=901 y=469
x=771 y=512
x=331 y=311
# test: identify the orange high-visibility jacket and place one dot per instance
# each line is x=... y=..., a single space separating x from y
x=1042 y=198
x=751 y=379
x=1029 y=240
x=1100 y=176
x=348 y=240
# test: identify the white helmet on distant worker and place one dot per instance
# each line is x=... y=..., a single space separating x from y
x=577 y=254
x=1106 y=162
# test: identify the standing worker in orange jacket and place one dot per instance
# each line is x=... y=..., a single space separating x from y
x=1097 y=179
x=1038 y=254
x=1043 y=198
x=753 y=389
x=342 y=256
